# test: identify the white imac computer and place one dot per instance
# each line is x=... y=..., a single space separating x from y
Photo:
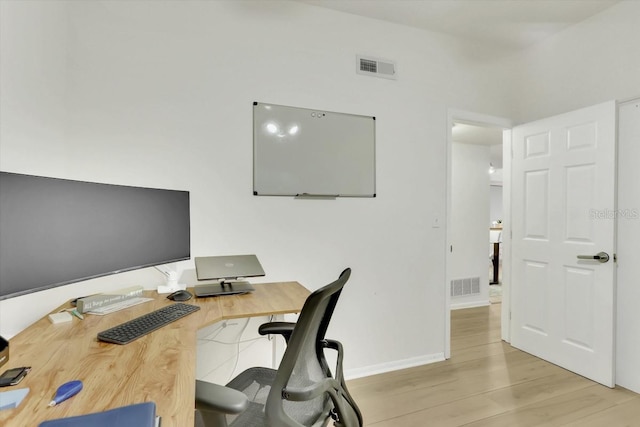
x=229 y=272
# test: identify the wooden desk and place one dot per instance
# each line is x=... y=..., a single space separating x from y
x=158 y=367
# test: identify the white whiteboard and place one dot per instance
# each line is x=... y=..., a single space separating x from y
x=305 y=152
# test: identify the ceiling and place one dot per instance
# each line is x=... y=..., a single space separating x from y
x=480 y=135
x=504 y=25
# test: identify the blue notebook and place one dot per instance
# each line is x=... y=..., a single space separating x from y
x=138 y=415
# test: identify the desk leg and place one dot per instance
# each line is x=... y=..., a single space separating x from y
x=278 y=345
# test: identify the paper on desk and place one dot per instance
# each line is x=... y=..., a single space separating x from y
x=11 y=399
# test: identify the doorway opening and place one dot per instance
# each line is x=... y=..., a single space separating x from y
x=476 y=208
x=476 y=213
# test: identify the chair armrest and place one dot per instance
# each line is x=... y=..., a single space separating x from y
x=282 y=328
x=221 y=399
x=337 y=346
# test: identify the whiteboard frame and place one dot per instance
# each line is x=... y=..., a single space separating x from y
x=360 y=180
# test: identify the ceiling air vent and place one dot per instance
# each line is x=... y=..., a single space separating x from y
x=375 y=67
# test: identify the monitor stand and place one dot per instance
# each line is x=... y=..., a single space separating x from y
x=236 y=282
x=171 y=288
x=171 y=284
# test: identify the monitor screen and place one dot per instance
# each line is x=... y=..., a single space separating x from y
x=57 y=231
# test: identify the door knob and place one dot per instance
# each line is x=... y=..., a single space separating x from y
x=600 y=256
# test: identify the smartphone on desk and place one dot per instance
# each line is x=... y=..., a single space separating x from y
x=13 y=376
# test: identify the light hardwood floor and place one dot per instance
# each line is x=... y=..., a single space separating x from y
x=489 y=383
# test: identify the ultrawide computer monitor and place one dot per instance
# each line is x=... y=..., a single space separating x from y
x=57 y=231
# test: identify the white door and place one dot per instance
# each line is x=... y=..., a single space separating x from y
x=563 y=209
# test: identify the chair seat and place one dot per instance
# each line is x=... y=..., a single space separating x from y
x=256 y=384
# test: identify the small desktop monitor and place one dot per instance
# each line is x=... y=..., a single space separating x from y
x=227 y=270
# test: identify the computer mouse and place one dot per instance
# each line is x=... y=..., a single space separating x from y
x=180 y=296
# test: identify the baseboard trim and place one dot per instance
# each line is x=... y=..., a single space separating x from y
x=469 y=305
x=381 y=368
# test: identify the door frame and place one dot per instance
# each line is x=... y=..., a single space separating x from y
x=478 y=119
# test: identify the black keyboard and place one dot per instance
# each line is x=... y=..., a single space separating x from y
x=129 y=331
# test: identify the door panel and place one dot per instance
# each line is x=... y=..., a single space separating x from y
x=579 y=196
x=537 y=204
x=535 y=290
x=563 y=172
x=578 y=300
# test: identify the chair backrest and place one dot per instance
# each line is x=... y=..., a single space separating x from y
x=304 y=392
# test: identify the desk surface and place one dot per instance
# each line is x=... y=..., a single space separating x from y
x=158 y=367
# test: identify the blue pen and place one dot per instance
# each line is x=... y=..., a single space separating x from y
x=66 y=391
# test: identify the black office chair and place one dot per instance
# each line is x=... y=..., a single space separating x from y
x=302 y=392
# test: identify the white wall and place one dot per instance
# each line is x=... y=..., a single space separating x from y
x=159 y=94
x=469 y=218
x=495 y=204
x=33 y=105
x=628 y=215
x=594 y=61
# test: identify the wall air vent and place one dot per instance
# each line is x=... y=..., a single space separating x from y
x=466 y=286
x=375 y=67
